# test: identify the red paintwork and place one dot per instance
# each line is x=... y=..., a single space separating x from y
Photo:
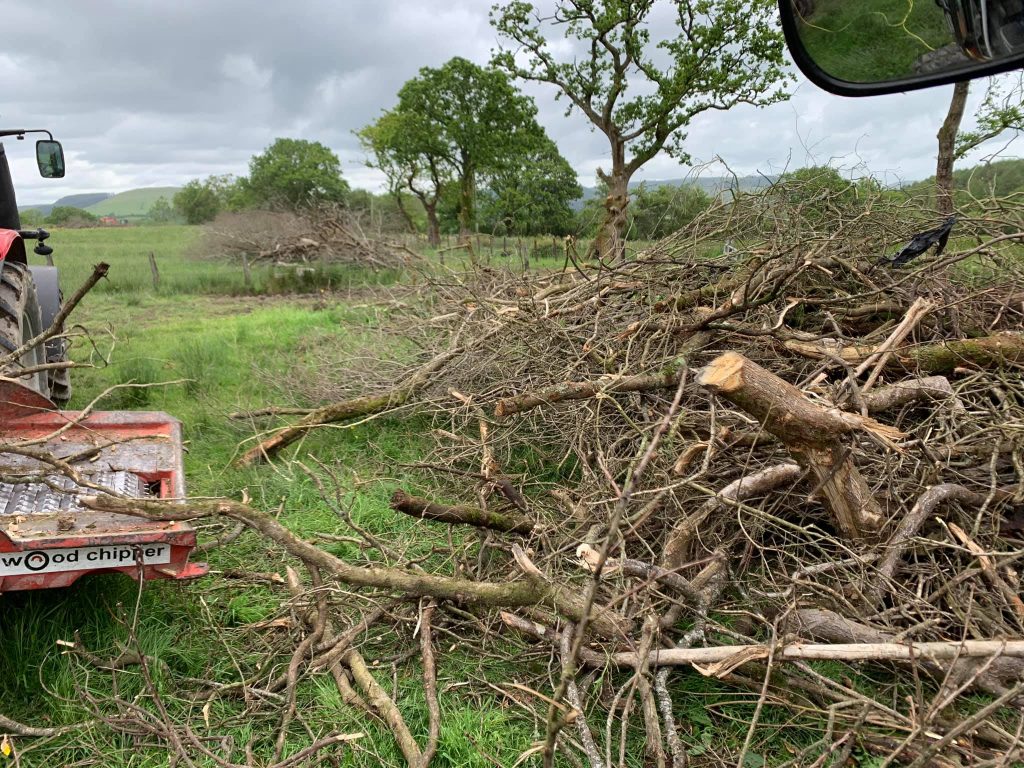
x=11 y=243
x=17 y=402
x=145 y=443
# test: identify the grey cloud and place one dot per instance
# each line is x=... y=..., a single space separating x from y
x=145 y=92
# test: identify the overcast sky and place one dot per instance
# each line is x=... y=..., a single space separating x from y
x=156 y=92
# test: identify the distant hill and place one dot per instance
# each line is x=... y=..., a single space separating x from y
x=83 y=200
x=713 y=185
x=1001 y=178
x=133 y=203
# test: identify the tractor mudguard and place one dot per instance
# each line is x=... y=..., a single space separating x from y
x=12 y=247
x=47 y=280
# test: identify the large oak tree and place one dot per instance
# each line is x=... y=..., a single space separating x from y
x=453 y=125
x=639 y=87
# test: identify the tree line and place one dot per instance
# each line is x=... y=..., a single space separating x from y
x=461 y=147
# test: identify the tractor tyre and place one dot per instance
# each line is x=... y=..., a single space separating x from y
x=21 y=320
x=60 y=378
x=50 y=298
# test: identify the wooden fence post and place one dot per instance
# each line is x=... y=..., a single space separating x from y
x=154 y=271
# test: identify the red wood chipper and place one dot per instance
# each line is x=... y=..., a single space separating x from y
x=48 y=456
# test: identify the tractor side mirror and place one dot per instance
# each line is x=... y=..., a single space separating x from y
x=50 y=158
x=869 y=47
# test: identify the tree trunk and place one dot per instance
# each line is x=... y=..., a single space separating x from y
x=947 y=148
x=813 y=433
x=466 y=215
x=610 y=242
x=433 y=226
x=404 y=212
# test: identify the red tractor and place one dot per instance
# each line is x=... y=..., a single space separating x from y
x=48 y=456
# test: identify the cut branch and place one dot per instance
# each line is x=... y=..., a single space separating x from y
x=533 y=590
x=729 y=656
x=459 y=515
x=810 y=431
x=944 y=357
x=583 y=390
x=1002 y=666
x=349 y=409
x=905 y=392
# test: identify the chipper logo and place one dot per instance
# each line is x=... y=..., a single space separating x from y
x=81 y=558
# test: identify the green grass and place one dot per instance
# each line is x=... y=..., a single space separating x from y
x=875 y=40
x=226 y=353
x=133 y=203
x=181 y=271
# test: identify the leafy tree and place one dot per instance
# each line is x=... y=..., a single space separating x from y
x=31 y=217
x=69 y=215
x=161 y=211
x=471 y=120
x=659 y=211
x=232 y=191
x=640 y=92
x=531 y=193
x=197 y=201
x=295 y=173
x=411 y=158
x=1001 y=110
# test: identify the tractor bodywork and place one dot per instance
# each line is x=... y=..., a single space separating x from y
x=50 y=458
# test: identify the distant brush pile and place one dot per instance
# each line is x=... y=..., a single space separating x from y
x=322 y=234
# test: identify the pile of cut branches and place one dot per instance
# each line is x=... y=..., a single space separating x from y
x=766 y=432
x=764 y=443
x=325 y=233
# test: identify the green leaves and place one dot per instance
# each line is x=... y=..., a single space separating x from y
x=295 y=173
x=453 y=125
x=1001 y=110
x=530 y=192
x=638 y=91
x=198 y=202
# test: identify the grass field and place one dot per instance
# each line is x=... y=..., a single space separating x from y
x=183 y=269
x=873 y=41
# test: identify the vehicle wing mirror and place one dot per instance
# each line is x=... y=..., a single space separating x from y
x=869 y=47
x=50 y=158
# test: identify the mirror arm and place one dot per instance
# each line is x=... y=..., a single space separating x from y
x=20 y=132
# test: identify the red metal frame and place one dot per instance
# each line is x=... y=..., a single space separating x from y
x=10 y=241
x=144 y=443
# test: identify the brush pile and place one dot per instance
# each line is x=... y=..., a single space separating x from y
x=757 y=445
x=321 y=234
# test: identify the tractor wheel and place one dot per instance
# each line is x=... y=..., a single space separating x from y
x=60 y=378
x=21 y=320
